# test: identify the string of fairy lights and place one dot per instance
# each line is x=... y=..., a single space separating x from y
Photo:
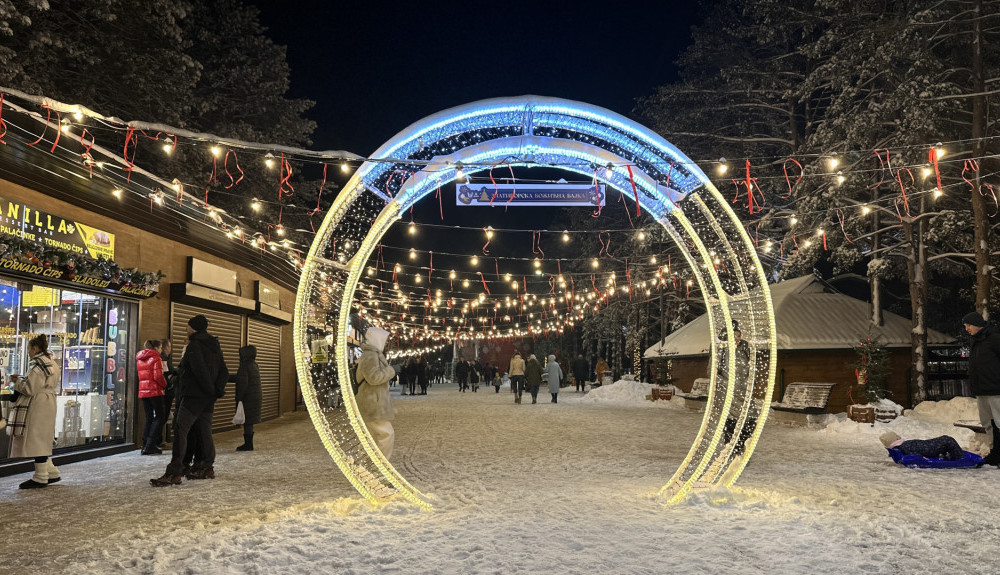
x=392 y=290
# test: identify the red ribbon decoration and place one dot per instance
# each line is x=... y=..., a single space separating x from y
x=129 y=137
x=485 y=287
x=440 y=205
x=232 y=182
x=536 y=243
x=431 y=270
x=784 y=166
x=635 y=190
x=969 y=166
x=932 y=157
x=840 y=217
x=882 y=166
x=485 y=251
x=286 y=175
x=88 y=160
x=48 y=118
x=902 y=188
x=513 y=189
x=496 y=190
x=552 y=283
x=824 y=241
x=597 y=195
x=3 y=125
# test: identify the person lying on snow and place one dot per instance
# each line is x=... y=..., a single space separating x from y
x=943 y=447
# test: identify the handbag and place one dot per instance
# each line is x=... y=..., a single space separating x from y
x=240 y=416
x=18 y=418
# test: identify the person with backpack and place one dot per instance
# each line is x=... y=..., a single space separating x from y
x=202 y=380
x=247 y=380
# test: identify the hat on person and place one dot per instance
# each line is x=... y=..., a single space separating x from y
x=974 y=319
x=888 y=438
x=198 y=323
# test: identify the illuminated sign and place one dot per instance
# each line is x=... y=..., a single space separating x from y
x=23 y=221
x=530 y=195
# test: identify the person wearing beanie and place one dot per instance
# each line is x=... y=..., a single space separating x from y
x=202 y=375
x=943 y=447
x=984 y=379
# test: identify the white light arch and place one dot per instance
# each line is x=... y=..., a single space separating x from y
x=536 y=131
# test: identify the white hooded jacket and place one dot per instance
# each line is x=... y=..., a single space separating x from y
x=373 y=374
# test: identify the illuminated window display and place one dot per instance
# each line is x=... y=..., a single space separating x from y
x=91 y=338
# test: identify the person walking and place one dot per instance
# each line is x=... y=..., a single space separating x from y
x=516 y=372
x=373 y=399
x=555 y=376
x=203 y=377
x=247 y=380
x=581 y=372
x=533 y=376
x=984 y=379
x=475 y=375
x=152 y=387
x=32 y=423
x=462 y=374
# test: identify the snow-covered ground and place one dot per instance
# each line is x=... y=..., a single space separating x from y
x=565 y=488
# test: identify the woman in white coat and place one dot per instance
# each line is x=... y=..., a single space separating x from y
x=373 y=400
x=555 y=376
x=34 y=438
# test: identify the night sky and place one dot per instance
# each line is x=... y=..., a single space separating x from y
x=374 y=68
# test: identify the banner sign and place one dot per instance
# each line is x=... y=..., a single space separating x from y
x=586 y=195
x=24 y=221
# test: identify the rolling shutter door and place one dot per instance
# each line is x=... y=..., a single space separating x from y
x=228 y=327
x=267 y=339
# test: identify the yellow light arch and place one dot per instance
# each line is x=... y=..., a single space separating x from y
x=577 y=137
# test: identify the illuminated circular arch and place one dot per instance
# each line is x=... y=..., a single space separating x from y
x=537 y=131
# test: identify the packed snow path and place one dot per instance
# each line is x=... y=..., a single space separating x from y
x=565 y=488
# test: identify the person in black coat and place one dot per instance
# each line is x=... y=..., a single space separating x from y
x=984 y=379
x=423 y=375
x=462 y=374
x=247 y=380
x=581 y=372
x=202 y=380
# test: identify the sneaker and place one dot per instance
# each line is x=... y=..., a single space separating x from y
x=166 y=480
x=205 y=473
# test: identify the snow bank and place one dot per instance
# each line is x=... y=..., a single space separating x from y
x=627 y=392
x=928 y=419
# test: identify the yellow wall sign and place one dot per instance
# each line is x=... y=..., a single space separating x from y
x=24 y=221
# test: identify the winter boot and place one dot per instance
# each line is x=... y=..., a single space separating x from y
x=40 y=478
x=993 y=457
x=166 y=480
x=247 y=443
x=54 y=476
x=202 y=473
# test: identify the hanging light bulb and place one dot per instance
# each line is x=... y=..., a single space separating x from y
x=474 y=261
x=452 y=274
x=459 y=172
x=723 y=167
x=642 y=236
x=216 y=150
x=833 y=163
x=565 y=236
x=413 y=254
x=269 y=160
x=255 y=204
x=594 y=263
x=344 y=167
x=465 y=283
x=608 y=170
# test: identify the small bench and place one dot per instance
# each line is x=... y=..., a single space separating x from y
x=698 y=396
x=802 y=400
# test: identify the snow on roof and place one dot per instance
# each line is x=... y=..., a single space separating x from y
x=801 y=305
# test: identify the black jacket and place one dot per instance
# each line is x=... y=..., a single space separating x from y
x=581 y=369
x=202 y=369
x=984 y=363
x=247 y=380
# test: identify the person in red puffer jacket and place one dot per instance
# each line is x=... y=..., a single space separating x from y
x=151 y=389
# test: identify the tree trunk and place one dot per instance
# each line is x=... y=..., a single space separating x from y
x=916 y=266
x=981 y=225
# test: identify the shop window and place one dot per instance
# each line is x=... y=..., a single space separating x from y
x=91 y=338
